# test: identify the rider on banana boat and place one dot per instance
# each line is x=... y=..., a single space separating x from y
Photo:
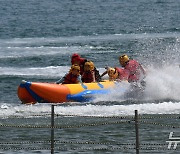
x=117 y=74
x=72 y=77
x=77 y=59
x=89 y=73
x=136 y=71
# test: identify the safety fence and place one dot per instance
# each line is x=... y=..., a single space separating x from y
x=53 y=144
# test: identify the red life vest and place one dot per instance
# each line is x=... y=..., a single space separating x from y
x=134 y=70
x=88 y=76
x=83 y=61
x=123 y=74
x=70 y=78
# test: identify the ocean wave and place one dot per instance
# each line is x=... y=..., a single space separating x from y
x=75 y=39
x=90 y=109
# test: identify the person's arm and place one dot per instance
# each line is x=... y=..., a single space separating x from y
x=103 y=74
x=80 y=81
x=61 y=80
x=93 y=75
x=107 y=67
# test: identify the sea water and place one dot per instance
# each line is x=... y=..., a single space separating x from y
x=37 y=39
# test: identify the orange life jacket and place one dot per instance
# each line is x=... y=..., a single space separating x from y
x=70 y=78
x=88 y=76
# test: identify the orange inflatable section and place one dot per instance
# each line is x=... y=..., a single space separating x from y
x=50 y=92
x=24 y=96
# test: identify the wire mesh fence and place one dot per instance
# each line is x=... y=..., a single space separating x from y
x=53 y=122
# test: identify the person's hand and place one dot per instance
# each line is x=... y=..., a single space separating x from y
x=107 y=67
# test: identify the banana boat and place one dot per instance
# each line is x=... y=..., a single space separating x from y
x=33 y=92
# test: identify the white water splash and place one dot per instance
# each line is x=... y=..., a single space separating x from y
x=163 y=83
x=92 y=110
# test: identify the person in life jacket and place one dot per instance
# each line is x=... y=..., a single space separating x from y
x=72 y=77
x=88 y=75
x=136 y=71
x=118 y=74
x=76 y=59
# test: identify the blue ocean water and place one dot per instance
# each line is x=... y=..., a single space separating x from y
x=37 y=39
